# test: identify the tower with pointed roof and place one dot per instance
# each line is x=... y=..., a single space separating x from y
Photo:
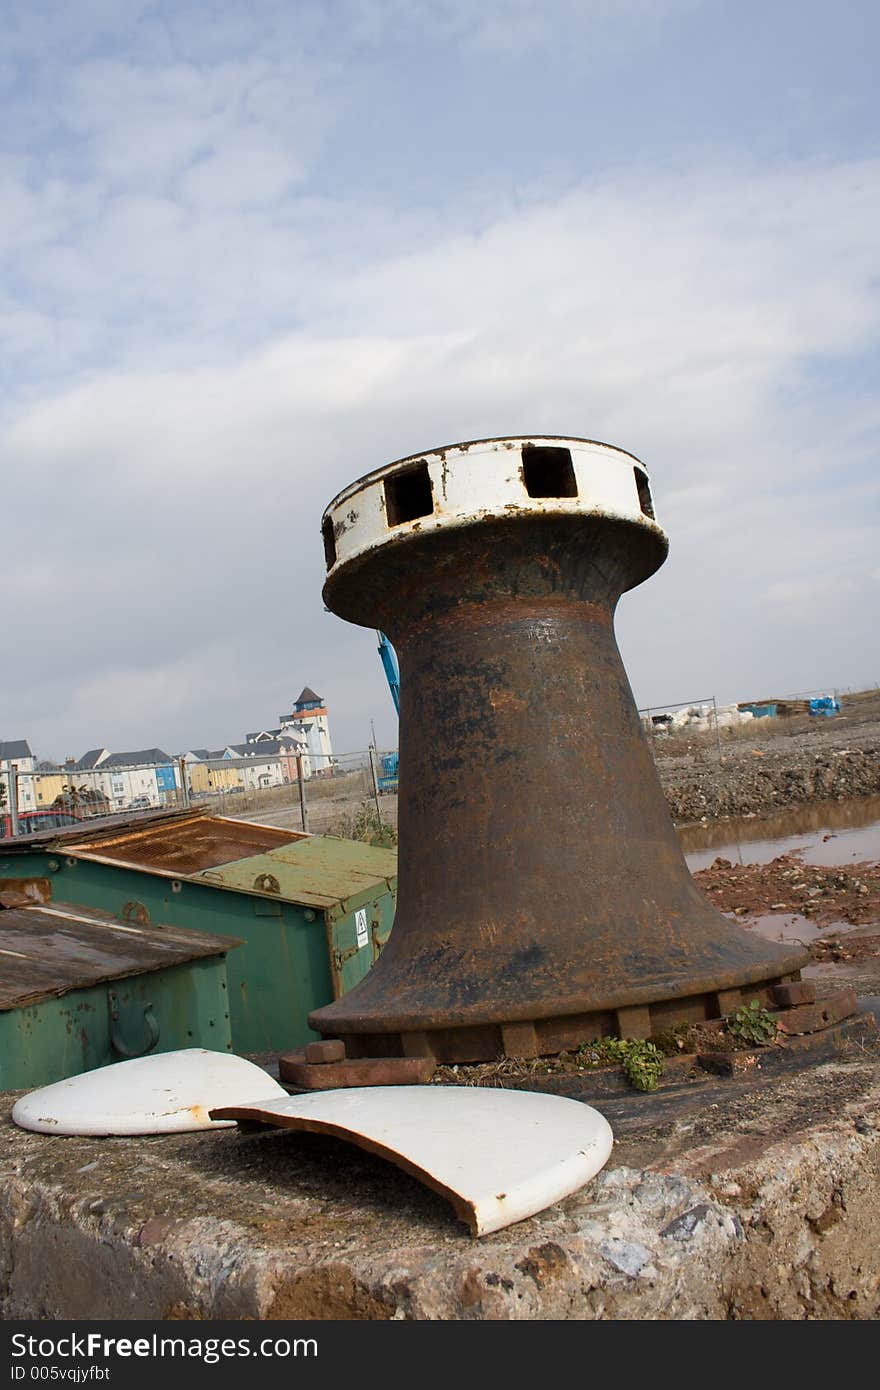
x=309 y=716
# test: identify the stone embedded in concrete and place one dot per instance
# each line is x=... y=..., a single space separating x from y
x=683 y=1227
x=627 y=1256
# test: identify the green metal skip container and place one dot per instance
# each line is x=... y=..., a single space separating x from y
x=80 y=989
x=311 y=912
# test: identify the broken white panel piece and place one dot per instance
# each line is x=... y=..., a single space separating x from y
x=498 y=1156
x=165 y=1093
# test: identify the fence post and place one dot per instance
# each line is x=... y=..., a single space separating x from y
x=717 y=730
x=184 y=789
x=375 y=784
x=303 y=808
x=13 y=799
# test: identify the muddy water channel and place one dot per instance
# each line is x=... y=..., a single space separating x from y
x=828 y=832
x=807 y=874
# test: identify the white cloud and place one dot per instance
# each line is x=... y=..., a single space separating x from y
x=673 y=316
x=158 y=126
x=208 y=335
x=505 y=28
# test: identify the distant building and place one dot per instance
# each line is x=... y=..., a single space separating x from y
x=91 y=759
x=146 y=775
x=147 y=772
x=17 y=751
x=209 y=772
x=49 y=785
x=48 y=781
x=283 y=749
x=308 y=719
x=16 y=756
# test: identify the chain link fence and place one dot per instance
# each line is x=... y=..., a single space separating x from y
x=354 y=797
x=705 y=728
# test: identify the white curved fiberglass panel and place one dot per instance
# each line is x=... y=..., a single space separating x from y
x=165 y=1093
x=498 y=1156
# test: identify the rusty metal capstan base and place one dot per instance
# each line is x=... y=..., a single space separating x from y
x=543 y=896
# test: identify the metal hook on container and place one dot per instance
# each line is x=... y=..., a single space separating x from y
x=118 y=1043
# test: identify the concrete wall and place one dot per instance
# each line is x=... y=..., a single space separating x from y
x=761 y=1203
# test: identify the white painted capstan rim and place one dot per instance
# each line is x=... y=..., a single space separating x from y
x=479 y=446
x=484 y=479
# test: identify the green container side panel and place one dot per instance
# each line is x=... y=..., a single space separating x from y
x=343 y=880
x=32 y=865
x=71 y=1033
x=279 y=974
x=358 y=935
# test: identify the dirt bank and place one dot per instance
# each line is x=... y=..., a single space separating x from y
x=775 y=764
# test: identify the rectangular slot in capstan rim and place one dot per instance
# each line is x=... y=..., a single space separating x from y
x=548 y=472
x=408 y=495
x=329 y=542
x=644 y=489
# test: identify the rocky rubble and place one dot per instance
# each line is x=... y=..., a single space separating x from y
x=754 y=781
x=825 y=894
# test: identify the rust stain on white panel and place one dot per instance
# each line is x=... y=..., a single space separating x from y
x=167 y=1093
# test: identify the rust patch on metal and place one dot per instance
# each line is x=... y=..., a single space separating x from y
x=295 y=1070
x=788 y=995
x=180 y=845
x=321 y=1053
x=133 y=911
x=19 y=892
x=812 y=1018
x=267 y=883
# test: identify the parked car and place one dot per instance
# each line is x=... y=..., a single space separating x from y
x=31 y=821
x=140 y=803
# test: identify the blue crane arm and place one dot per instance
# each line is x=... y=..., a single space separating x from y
x=389 y=660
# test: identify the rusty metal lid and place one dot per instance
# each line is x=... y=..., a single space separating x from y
x=49 y=949
x=180 y=845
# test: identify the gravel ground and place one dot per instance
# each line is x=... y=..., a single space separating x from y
x=777 y=763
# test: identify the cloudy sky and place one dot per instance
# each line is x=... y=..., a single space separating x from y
x=252 y=249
